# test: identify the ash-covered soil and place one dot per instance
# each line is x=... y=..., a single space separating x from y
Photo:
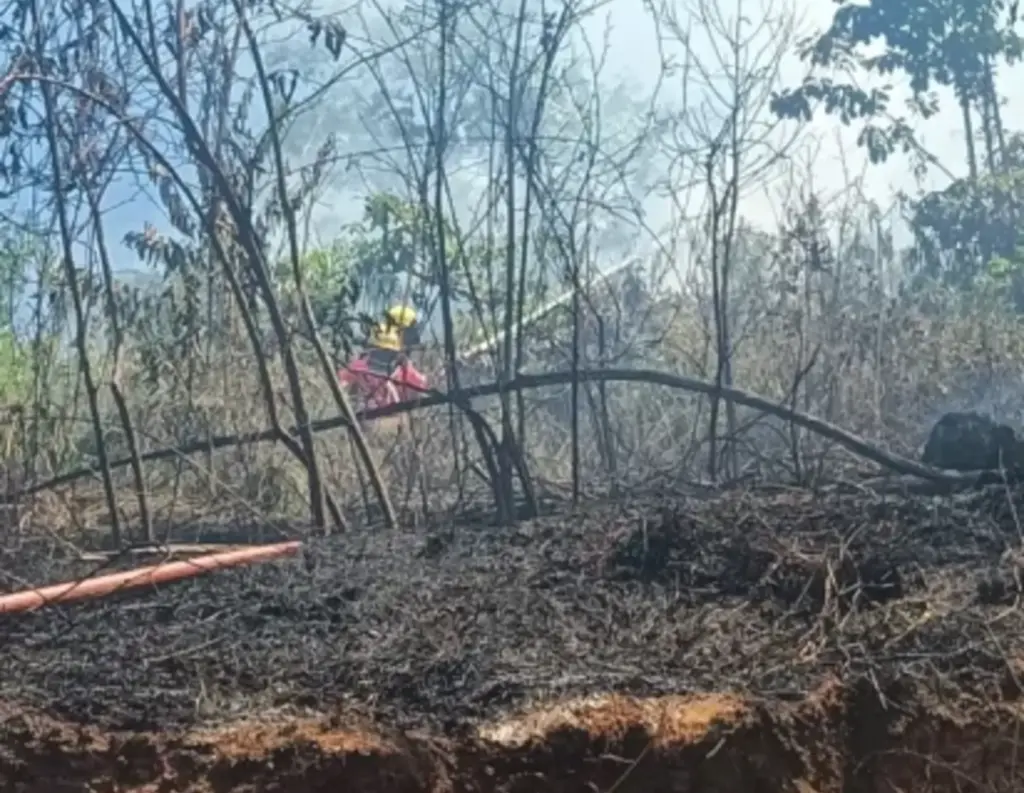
x=762 y=594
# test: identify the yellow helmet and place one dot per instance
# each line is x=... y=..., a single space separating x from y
x=402 y=317
x=385 y=337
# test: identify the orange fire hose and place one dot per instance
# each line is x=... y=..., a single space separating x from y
x=73 y=591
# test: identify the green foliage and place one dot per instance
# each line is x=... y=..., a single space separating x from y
x=970 y=229
x=1002 y=268
x=388 y=247
x=15 y=370
x=390 y=253
x=388 y=256
x=383 y=258
x=947 y=43
x=333 y=293
x=18 y=357
x=973 y=227
x=943 y=43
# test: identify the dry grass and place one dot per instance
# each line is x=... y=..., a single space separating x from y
x=885 y=372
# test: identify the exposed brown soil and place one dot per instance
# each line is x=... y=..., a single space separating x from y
x=837 y=740
x=757 y=642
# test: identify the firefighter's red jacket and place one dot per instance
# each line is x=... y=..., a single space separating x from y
x=368 y=376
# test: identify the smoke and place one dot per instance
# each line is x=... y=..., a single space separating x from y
x=999 y=395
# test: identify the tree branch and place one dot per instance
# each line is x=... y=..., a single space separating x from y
x=862 y=448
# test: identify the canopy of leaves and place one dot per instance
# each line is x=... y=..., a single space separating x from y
x=943 y=43
x=391 y=254
x=972 y=227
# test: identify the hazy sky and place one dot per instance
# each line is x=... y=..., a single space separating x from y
x=831 y=150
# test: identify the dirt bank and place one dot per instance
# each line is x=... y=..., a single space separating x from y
x=836 y=741
x=847 y=642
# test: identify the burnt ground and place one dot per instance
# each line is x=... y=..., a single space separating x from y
x=906 y=605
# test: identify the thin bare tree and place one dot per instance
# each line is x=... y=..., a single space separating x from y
x=726 y=130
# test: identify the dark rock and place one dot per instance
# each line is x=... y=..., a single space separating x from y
x=972 y=442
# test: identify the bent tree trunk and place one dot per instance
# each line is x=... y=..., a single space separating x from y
x=893 y=462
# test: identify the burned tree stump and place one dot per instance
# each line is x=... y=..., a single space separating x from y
x=972 y=442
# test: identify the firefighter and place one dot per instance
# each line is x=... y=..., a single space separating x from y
x=383 y=375
x=383 y=372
